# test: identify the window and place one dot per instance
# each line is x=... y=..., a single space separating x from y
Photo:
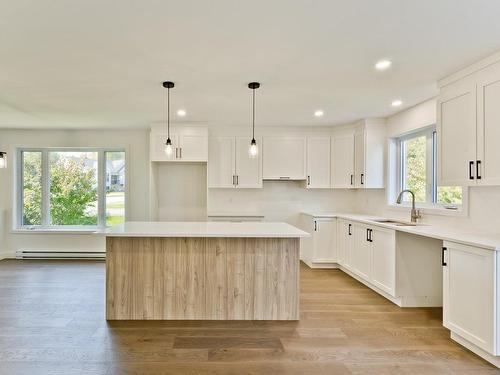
x=417 y=171
x=63 y=188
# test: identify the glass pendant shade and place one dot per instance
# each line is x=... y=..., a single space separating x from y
x=3 y=160
x=253 y=150
x=169 y=150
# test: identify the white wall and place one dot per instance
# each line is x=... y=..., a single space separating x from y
x=484 y=202
x=137 y=145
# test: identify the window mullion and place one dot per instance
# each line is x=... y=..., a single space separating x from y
x=45 y=189
x=429 y=174
x=101 y=188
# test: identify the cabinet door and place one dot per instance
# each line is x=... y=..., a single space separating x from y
x=221 y=156
x=342 y=164
x=345 y=239
x=361 y=252
x=383 y=272
x=359 y=158
x=325 y=249
x=318 y=162
x=488 y=129
x=248 y=170
x=193 y=147
x=456 y=130
x=157 y=146
x=469 y=294
x=284 y=158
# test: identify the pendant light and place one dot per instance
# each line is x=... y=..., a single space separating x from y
x=3 y=159
x=253 y=150
x=169 y=149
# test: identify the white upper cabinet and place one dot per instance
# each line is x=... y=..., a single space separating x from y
x=342 y=161
x=248 y=171
x=369 y=144
x=318 y=162
x=456 y=129
x=488 y=126
x=189 y=144
x=284 y=158
x=221 y=162
x=230 y=166
x=467 y=125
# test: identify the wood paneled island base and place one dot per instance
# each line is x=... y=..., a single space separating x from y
x=202 y=278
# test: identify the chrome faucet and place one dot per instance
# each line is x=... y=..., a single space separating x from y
x=415 y=214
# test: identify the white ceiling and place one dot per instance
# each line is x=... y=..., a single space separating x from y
x=100 y=63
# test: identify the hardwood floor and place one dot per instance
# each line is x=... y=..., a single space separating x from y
x=52 y=322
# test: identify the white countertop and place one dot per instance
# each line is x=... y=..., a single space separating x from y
x=489 y=241
x=203 y=229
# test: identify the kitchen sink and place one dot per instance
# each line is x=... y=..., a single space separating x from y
x=395 y=222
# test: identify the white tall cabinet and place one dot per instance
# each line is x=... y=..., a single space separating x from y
x=230 y=165
x=468 y=115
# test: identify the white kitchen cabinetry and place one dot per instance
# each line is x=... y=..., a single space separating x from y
x=362 y=252
x=467 y=127
x=369 y=143
x=189 y=144
x=358 y=156
x=318 y=162
x=488 y=129
x=456 y=130
x=320 y=249
x=383 y=272
x=470 y=283
x=345 y=242
x=342 y=162
x=284 y=158
x=229 y=164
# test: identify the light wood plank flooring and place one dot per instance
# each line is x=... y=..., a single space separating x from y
x=52 y=322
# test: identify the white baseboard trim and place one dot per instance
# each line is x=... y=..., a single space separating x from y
x=48 y=254
x=326 y=265
x=7 y=255
x=494 y=360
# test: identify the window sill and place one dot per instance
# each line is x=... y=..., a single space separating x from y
x=428 y=210
x=54 y=230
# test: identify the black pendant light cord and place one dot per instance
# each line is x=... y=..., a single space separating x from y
x=253 y=115
x=168 y=113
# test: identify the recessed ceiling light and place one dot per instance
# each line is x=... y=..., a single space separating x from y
x=383 y=64
x=396 y=103
x=181 y=112
x=319 y=113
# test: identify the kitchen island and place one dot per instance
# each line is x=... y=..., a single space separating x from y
x=202 y=271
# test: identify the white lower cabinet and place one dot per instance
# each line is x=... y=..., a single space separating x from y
x=320 y=249
x=369 y=252
x=470 y=283
x=362 y=252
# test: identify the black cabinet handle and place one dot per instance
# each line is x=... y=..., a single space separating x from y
x=443 y=263
x=349 y=230
x=352 y=179
x=471 y=164
x=237 y=179
x=180 y=152
x=478 y=169
x=368 y=235
x=362 y=179
x=371 y=232
x=315 y=226
x=308 y=180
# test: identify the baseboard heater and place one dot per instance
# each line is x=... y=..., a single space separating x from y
x=43 y=254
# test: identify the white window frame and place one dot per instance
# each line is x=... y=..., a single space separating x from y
x=396 y=175
x=101 y=189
